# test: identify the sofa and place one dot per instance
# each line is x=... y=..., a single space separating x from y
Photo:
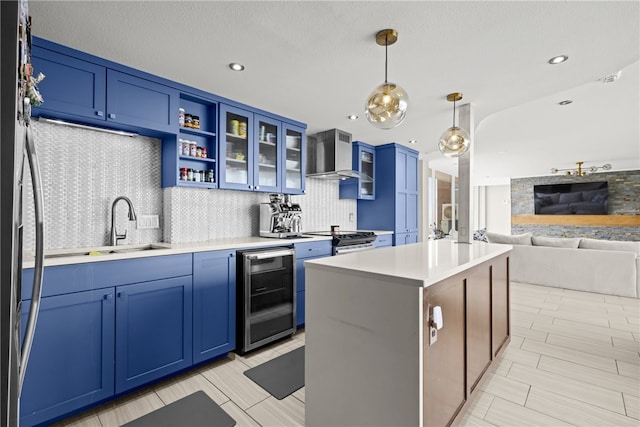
x=582 y=264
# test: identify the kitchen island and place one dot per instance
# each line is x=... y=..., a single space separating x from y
x=377 y=350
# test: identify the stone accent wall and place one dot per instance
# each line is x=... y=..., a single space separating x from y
x=624 y=199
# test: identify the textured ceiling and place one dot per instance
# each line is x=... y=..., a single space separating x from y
x=317 y=62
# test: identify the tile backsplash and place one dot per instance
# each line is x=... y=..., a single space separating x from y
x=193 y=215
x=83 y=171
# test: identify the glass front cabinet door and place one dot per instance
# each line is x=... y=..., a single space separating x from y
x=268 y=155
x=236 y=149
x=367 y=172
x=294 y=159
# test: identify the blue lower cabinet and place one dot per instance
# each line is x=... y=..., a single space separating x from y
x=153 y=330
x=405 y=238
x=302 y=250
x=214 y=304
x=300 y=291
x=383 y=240
x=71 y=362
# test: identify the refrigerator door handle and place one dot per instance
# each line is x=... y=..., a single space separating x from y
x=36 y=181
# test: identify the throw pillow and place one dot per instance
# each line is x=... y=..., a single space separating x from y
x=545 y=201
x=556 y=242
x=571 y=197
x=480 y=235
x=515 y=239
x=589 y=195
x=555 y=197
x=610 y=245
x=599 y=198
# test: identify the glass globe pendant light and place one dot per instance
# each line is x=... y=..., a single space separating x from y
x=386 y=106
x=455 y=141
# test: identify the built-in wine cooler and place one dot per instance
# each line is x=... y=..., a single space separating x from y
x=266 y=297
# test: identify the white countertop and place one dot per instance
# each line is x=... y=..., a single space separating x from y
x=161 y=249
x=419 y=264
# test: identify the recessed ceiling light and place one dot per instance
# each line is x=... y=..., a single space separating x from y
x=565 y=102
x=352 y=117
x=611 y=77
x=413 y=141
x=236 y=67
x=558 y=59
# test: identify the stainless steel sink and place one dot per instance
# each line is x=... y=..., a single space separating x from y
x=104 y=250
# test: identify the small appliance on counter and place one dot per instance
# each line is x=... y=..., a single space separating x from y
x=280 y=218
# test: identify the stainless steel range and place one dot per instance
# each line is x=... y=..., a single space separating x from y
x=346 y=242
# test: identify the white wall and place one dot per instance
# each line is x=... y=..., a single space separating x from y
x=498 y=208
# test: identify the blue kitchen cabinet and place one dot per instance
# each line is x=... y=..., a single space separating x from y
x=177 y=154
x=71 y=362
x=267 y=159
x=260 y=153
x=294 y=158
x=214 y=304
x=362 y=188
x=153 y=330
x=306 y=252
x=383 y=240
x=396 y=203
x=236 y=148
x=72 y=86
x=81 y=90
x=139 y=102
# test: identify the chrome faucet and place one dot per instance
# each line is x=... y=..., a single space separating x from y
x=132 y=217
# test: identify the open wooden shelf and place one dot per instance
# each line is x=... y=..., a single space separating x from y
x=580 y=220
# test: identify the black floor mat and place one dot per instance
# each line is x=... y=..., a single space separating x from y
x=280 y=376
x=195 y=410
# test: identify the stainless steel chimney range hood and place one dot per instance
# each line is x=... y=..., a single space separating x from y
x=329 y=155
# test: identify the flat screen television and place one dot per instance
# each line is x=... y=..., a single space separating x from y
x=582 y=198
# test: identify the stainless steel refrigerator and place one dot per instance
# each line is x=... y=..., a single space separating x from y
x=17 y=157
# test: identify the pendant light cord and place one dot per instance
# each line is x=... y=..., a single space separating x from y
x=386 y=46
x=454 y=112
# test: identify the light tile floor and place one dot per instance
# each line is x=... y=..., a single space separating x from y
x=574 y=359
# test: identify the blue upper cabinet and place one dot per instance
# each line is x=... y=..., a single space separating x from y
x=193 y=163
x=138 y=102
x=260 y=153
x=294 y=159
x=267 y=161
x=362 y=188
x=237 y=148
x=75 y=89
x=246 y=148
x=71 y=86
x=395 y=206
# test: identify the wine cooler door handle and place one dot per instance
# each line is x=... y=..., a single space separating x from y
x=36 y=292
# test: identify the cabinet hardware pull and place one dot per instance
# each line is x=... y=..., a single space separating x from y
x=112 y=116
x=100 y=113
